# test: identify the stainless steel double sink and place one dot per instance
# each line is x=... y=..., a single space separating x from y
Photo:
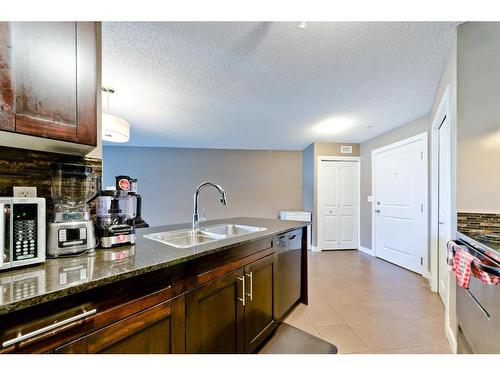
x=185 y=238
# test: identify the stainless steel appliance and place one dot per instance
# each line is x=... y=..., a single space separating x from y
x=22 y=231
x=478 y=307
x=289 y=249
x=71 y=230
x=117 y=210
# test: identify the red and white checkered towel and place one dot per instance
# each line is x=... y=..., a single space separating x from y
x=485 y=277
x=461 y=264
x=464 y=265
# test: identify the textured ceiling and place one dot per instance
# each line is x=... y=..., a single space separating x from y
x=267 y=85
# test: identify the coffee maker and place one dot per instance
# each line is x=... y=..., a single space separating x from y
x=117 y=209
x=71 y=231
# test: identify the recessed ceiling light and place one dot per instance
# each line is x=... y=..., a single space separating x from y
x=302 y=25
x=334 y=125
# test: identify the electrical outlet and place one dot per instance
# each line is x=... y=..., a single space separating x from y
x=24 y=191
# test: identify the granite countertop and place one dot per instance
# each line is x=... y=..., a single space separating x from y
x=60 y=277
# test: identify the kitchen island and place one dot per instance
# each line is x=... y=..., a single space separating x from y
x=219 y=296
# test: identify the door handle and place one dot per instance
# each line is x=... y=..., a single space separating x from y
x=242 y=299
x=250 y=276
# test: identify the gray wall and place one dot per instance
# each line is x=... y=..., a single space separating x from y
x=415 y=127
x=257 y=183
x=308 y=178
x=478 y=126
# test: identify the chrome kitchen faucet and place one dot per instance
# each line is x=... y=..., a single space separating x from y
x=223 y=200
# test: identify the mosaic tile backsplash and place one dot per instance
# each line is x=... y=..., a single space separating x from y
x=468 y=222
x=32 y=168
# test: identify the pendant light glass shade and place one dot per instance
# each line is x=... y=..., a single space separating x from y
x=115 y=129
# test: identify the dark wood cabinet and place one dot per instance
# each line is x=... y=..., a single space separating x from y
x=48 y=73
x=260 y=306
x=220 y=303
x=234 y=313
x=214 y=316
x=149 y=331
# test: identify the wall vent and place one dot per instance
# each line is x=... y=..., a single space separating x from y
x=346 y=149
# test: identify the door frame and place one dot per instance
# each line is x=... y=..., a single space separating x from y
x=419 y=137
x=354 y=159
x=444 y=109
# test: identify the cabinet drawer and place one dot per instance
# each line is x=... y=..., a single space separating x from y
x=43 y=332
x=146 y=332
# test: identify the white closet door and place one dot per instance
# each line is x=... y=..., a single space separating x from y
x=337 y=205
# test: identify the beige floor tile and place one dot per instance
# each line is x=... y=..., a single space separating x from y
x=431 y=350
x=343 y=337
x=366 y=305
x=377 y=336
x=352 y=313
x=412 y=336
x=394 y=351
x=433 y=326
x=323 y=314
x=417 y=309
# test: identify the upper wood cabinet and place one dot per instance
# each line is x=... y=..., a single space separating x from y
x=48 y=73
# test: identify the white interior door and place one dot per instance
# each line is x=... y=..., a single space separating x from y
x=444 y=196
x=399 y=176
x=338 y=205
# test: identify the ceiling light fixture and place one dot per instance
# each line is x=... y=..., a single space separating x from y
x=334 y=125
x=114 y=128
x=302 y=25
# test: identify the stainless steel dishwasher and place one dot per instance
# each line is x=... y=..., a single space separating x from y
x=289 y=249
x=478 y=307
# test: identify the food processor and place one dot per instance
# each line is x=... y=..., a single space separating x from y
x=117 y=209
x=71 y=230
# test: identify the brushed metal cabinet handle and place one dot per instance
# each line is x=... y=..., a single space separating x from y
x=48 y=328
x=250 y=276
x=2 y=233
x=242 y=299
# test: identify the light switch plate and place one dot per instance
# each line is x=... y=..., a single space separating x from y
x=370 y=199
x=24 y=191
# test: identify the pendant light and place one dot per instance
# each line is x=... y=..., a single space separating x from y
x=114 y=128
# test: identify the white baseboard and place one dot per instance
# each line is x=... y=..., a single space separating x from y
x=426 y=274
x=452 y=340
x=366 y=250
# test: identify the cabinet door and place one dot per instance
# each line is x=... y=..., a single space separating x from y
x=214 y=316
x=48 y=80
x=148 y=332
x=260 y=307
